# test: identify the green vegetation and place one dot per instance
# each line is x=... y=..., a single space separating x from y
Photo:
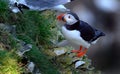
x=8 y=63
x=32 y=27
x=39 y=58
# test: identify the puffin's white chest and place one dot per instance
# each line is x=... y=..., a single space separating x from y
x=74 y=37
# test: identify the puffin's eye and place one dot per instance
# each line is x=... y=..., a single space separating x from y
x=68 y=16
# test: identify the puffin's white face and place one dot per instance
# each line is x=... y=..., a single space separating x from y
x=69 y=19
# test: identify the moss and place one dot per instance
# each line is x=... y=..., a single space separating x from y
x=8 y=63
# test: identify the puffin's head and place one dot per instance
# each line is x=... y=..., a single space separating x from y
x=70 y=18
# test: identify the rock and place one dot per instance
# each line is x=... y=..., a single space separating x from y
x=79 y=63
x=31 y=66
x=3 y=27
x=7 y=28
x=60 y=51
x=36 y=71
x=23 y=47
x=2 y=46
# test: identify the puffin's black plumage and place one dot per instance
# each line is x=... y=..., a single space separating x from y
x=88 y=33
x=78 y=32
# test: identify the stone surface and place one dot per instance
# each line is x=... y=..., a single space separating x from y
x=60 y=51
x=31 y=66
x=79 y=63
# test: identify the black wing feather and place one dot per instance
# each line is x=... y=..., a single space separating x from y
x=89 y=33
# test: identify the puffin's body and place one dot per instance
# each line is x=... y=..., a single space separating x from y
x=78 y=32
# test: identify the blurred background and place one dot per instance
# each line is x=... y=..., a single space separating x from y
x=104 y=15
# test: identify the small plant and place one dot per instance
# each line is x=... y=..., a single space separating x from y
x=8 y=63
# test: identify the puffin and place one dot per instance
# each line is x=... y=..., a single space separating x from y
x=78 y=32
x=39 y=5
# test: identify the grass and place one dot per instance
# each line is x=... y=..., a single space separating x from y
x=39 y=58
x=42 y=61
x=32 y=27
x=32 y=23
x=8 y=63
x=3 y=10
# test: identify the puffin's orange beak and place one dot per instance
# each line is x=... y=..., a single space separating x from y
x=60 y=17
